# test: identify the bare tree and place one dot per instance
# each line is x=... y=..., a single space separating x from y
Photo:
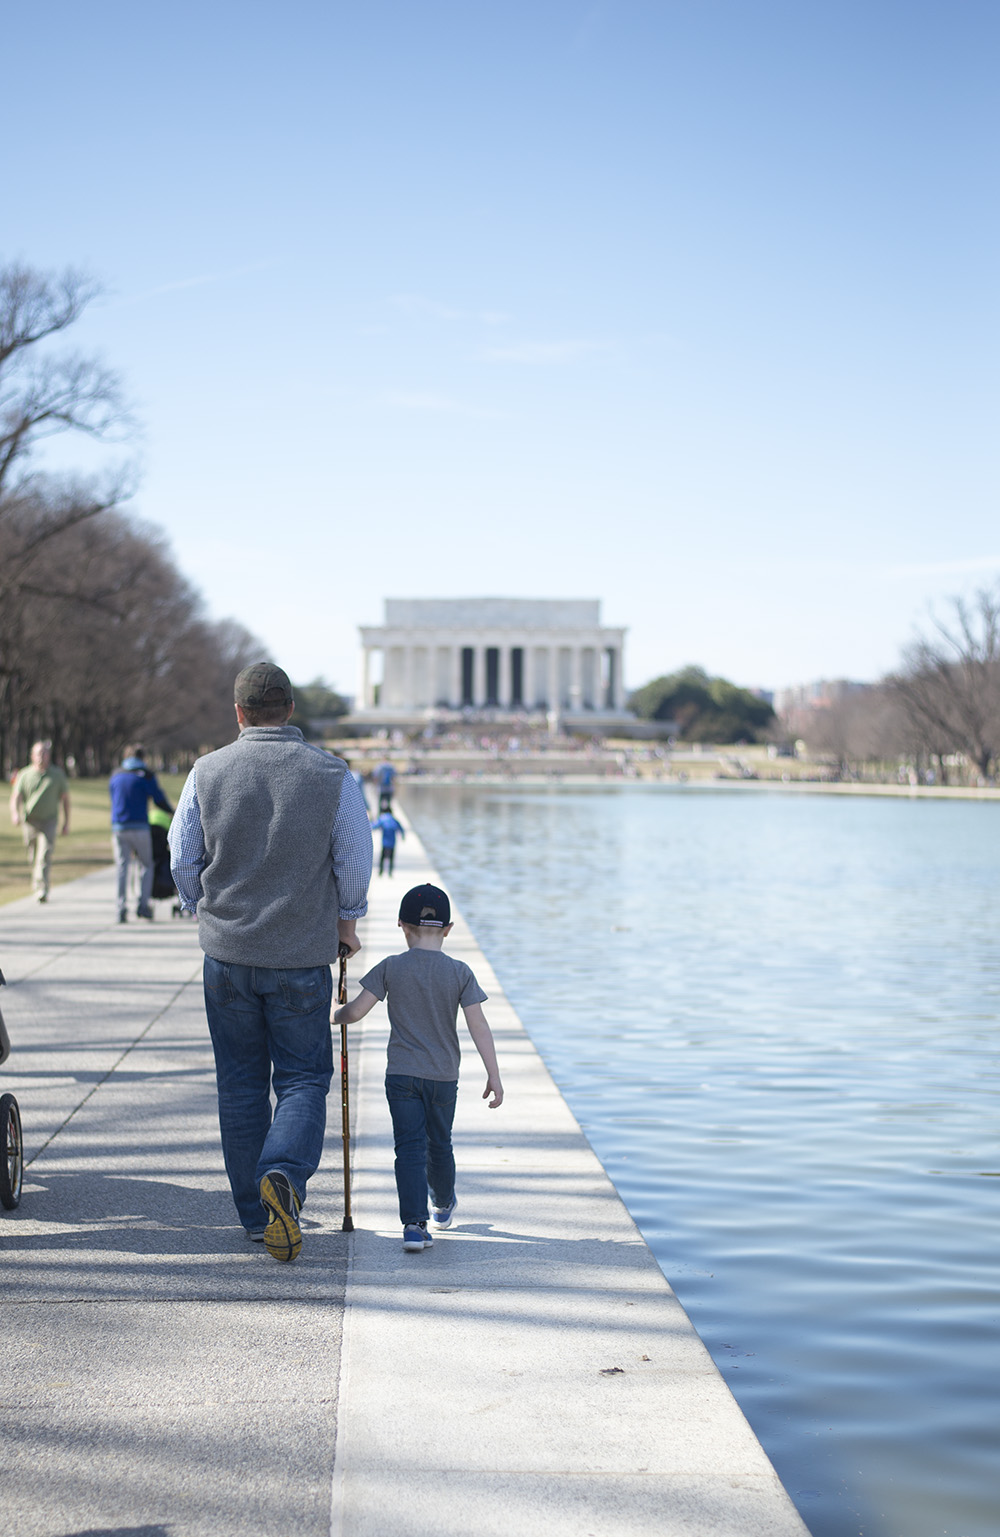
x=861 y=728
x=41 y=393
x=101 y=638
x=113 y=644
x=950 y=681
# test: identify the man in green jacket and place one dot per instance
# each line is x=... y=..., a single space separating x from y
x=35 y=798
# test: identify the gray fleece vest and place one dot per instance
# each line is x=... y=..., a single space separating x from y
x=268 y=803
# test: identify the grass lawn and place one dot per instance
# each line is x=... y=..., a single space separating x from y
x=88 y=846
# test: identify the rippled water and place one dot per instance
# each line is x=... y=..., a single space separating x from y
x=776 y=1018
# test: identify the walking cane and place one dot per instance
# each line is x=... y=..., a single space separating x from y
x=345 y=1098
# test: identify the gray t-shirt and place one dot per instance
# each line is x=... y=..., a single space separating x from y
x=425 y=989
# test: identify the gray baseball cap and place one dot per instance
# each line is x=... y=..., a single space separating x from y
x=262 y=686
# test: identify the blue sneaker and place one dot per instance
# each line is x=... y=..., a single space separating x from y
x=443 y=1214
x=416 y=1237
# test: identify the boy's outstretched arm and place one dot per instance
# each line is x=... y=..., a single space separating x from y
x=350 y=1013
x=483 y=1037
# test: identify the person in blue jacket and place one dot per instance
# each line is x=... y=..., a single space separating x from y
x=385 y=779
x=132 y=788
x=390 y=828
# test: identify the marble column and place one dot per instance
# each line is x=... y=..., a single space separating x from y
x=588 y=697
x=406 y=690
x=614 y=677
x=442 y=674
x=392 y=681
x=575 y=680
x=539 y=674
x=455 y=689
x=553 y=691
x=503 y=681
x=479 y=676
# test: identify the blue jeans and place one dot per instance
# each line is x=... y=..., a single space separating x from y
x=422 y=1111
x=266 y=1026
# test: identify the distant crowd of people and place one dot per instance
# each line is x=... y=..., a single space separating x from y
x=140 y=818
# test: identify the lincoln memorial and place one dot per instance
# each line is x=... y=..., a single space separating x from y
x=499 y=654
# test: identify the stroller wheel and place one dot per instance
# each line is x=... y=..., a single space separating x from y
x=11 y=1153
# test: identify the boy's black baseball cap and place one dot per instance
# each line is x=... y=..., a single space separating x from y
x=425 y=907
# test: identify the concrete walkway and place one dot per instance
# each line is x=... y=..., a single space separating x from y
x=163 y=1376
x=532 y=1373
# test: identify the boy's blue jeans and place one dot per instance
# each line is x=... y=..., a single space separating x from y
x=422 y=1111
x=267 y=1024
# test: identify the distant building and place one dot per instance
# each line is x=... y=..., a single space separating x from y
x=506 y=655
x=815 y=696
x=800 y=709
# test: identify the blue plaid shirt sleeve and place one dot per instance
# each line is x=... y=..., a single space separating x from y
x=352 y=850
x=187 y=846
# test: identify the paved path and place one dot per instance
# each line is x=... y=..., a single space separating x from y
x=162 y=1374
x=532 y=1373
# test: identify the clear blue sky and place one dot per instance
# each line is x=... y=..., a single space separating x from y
x=688 y=306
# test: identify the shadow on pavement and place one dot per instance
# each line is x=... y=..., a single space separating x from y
x=109 y=1236
x=120 y=1531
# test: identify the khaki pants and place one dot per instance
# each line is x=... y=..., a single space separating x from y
x=39 y=841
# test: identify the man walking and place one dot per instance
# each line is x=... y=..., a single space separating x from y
x=271 y=846
x=131 y=789
x=36 y=795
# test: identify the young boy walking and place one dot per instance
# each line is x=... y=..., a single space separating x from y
x=391 y=829
x=425 y=989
